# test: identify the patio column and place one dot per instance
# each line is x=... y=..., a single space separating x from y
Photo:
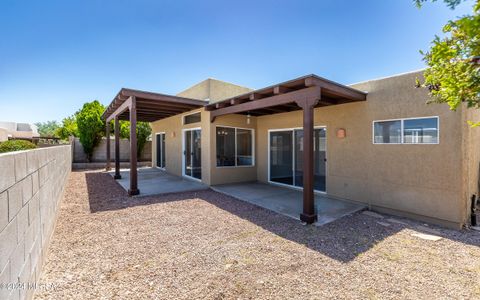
x=117 y=149
x=133 y=148
x=309 y=215
x=107 y=167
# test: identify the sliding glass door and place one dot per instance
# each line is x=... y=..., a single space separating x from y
x=192 y=163
x=160 y=141
x=286 y=158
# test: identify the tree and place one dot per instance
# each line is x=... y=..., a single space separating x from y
x=48 y=128
x=69 y=128
x=90 y=125
x=143 y=133
x=450 y=3
x=453 y=72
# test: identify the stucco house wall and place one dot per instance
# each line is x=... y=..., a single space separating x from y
x=173 y=128
x=470 y=157
x=427 y=182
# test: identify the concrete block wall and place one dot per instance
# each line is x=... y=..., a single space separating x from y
x=31 y=186
x=100 y=152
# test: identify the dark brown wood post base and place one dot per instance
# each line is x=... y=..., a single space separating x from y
x=309 y=219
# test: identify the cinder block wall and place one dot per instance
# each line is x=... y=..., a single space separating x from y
x=100 y=152
x=31 y=186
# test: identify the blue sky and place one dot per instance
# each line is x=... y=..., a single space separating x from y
x=56 y=55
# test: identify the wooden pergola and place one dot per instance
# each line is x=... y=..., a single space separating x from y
x=135 y=105
x=304 y=93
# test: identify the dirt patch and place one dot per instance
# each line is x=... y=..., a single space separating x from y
x=207 y=245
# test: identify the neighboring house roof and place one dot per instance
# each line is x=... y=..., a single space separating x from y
x=18 y=130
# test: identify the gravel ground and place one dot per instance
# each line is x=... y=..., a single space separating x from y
x=207 y=245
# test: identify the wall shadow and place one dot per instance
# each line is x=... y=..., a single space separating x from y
x=342 y=240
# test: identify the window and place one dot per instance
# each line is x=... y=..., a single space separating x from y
x=193 y=118
x=388 y=132
x=406 y=131
x=234 y=147
x=420 y=131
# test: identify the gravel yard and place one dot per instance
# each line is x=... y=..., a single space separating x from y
x=207 y=245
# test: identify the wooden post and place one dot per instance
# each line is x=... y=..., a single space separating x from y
x=117 y=149
x=309 y=214
x=108 y=146
x=133 y=149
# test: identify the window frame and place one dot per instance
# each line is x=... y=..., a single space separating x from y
x=252 y=130
x=402 y=135
x=189 y=114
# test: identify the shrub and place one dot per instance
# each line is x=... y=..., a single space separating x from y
x=68 y=128
x=16 y=145
x=90 y=126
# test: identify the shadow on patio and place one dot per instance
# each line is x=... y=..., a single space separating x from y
x=342 y=240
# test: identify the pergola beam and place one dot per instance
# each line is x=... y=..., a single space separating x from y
x=307 y=93
x=336 y=89
x=123 y=107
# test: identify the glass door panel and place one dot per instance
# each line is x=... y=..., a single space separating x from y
x=193 y=153
x=187 y=152
x=160 y=142
x=286 y=157
x=281 y=157
x=196 y=154
x=163 y=150
x=320 y=159
x=298 y=158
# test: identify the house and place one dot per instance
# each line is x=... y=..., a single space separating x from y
x=22 y=131
x=377 y=142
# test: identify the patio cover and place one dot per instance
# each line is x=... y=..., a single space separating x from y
x=304 y=93
x=135 y=105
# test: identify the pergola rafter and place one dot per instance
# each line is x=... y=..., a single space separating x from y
x=135 y=105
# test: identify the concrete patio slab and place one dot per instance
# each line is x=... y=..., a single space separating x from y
x=153 y=181
x=288 y=202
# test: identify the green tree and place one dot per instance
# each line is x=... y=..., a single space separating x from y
x=48 y=128
x=453 y=72
x=143 y=133
x=91 y=126
x=69 y=128
x=450 y=3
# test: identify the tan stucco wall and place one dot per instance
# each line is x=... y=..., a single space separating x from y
x=417 y=179
x=173 y=127
x=429 y=182
x=471 y=157
x=214 y=90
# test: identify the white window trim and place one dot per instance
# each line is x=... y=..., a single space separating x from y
x=402 y=137
x=253 y=147
x=189 y=114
